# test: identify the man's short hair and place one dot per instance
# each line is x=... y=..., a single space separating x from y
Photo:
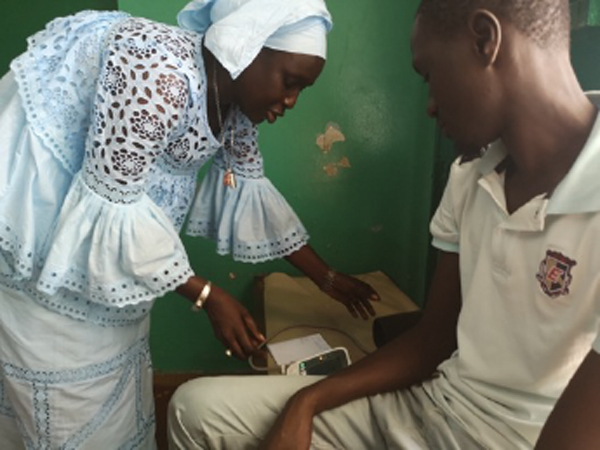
x=547 y=22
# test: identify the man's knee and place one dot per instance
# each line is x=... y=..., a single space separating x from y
x=187 y=408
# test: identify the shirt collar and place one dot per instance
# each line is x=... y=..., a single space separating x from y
x=579 y=191
x=493 y=155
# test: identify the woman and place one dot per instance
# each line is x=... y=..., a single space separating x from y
x=106 y=120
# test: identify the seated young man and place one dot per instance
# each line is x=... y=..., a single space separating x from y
x=513 y=308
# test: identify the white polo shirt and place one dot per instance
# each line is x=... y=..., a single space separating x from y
x=531 y=293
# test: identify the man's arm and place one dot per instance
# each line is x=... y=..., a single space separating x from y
x=573 y=423
x=408 y=359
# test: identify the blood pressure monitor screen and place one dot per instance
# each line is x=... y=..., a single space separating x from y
x=325 y=364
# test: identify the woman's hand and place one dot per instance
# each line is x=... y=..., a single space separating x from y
x=232 y=324
x=293 y=428
x=354 y=294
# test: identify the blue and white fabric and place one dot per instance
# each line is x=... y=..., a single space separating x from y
x=104 y=129
x=71 y=385
x=90 y=220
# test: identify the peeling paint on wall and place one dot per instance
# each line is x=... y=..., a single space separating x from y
x=325 y=142
x=344 y=162
x=332 y=169
x=332 y=135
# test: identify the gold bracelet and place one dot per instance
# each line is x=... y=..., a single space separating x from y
x=204 y=293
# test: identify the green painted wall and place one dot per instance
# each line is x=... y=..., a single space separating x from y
x=371 y=216
x=585 y=12
x=585 y=55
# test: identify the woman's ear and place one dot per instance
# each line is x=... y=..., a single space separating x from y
x=486 y=32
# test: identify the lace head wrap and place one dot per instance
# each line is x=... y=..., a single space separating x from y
x=236 y=30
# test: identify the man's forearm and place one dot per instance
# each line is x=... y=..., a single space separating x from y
x=383 y=371
x=410 y=358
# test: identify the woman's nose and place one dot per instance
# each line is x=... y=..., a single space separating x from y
x=290 y=100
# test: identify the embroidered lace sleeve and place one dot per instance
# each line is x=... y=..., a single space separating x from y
x=140 y=107
x=252 y=221
x=111 y=241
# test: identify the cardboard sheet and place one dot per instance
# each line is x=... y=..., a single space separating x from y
x=297 y=302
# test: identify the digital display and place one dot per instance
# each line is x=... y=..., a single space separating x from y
x=324 y=364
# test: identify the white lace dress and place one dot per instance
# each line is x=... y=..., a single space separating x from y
x=104 y=128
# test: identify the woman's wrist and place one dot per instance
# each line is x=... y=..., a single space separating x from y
x=202 y=297
x=198 y=291
x=312 y=266
x=215 y=293
x=327 y=281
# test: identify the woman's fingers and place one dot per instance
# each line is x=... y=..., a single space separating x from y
x=366 y=304
x=234 y=326
x=351 y=309
x=240 y=340
x=355 y=304
x=358 y=306
x=367 y=293
x=245 y=342
x=253 y=329
x=236 y=349
x=239 y=344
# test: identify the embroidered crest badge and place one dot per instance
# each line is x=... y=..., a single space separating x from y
x=555 y=274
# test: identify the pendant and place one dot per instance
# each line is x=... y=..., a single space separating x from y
x=229 y=179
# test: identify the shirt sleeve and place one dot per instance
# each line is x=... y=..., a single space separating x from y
x=111 y=242
x=252 y=221
x=444 y=226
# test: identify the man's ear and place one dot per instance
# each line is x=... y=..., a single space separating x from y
x=486 y=32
